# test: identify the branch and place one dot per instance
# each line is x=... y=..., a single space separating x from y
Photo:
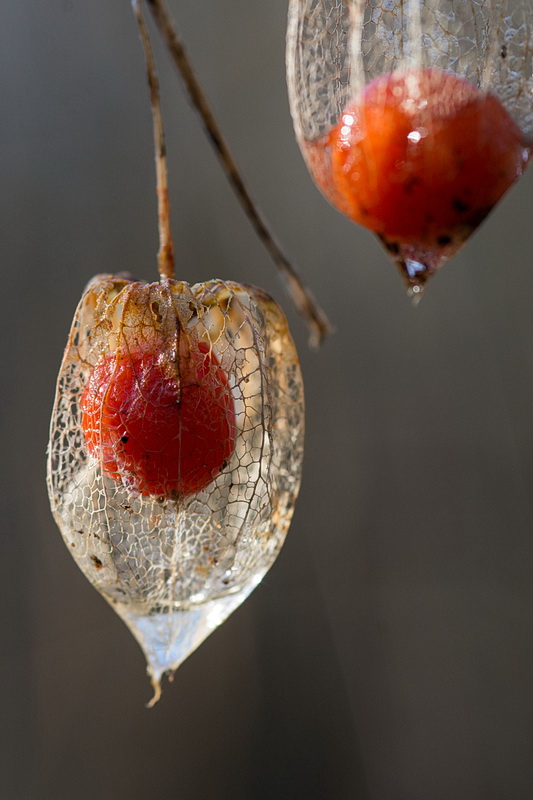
x=299 y=294
x=165 y=256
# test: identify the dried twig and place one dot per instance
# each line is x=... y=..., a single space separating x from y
x=165 y=256
x=299 y=294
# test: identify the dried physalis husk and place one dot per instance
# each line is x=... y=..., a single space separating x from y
x=175 y=452
x=414 y=116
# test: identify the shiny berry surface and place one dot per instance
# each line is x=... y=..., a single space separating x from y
x=160 y=428
x=422 y=156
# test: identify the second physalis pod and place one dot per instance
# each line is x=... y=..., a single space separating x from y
x=175 y=452
x=414 y=116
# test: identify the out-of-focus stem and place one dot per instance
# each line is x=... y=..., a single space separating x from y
x=165 y=256
x=299 y=294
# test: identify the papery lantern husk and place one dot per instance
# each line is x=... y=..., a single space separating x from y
x=337 y=49
x=175 y=567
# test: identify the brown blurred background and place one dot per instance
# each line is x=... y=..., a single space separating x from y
x=388 y=654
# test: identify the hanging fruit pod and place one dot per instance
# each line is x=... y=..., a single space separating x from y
x=175 y=452
x=414 y=116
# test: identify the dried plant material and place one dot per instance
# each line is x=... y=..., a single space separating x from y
x=300 y=295
x=175 y=452
x=176 y=441
x=414 y=116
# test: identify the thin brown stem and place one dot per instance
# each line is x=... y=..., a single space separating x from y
x=299 y=294
x=165 y=257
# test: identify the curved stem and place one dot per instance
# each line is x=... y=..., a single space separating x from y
x=165 y=257
x=299 y=294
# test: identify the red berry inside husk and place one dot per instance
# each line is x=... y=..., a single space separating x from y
x=159 y=427
x=421 y=157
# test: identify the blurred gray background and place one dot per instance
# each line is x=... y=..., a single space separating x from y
x=388 y=654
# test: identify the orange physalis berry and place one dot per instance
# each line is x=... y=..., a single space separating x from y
x=161 y=428
x=420 y=158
